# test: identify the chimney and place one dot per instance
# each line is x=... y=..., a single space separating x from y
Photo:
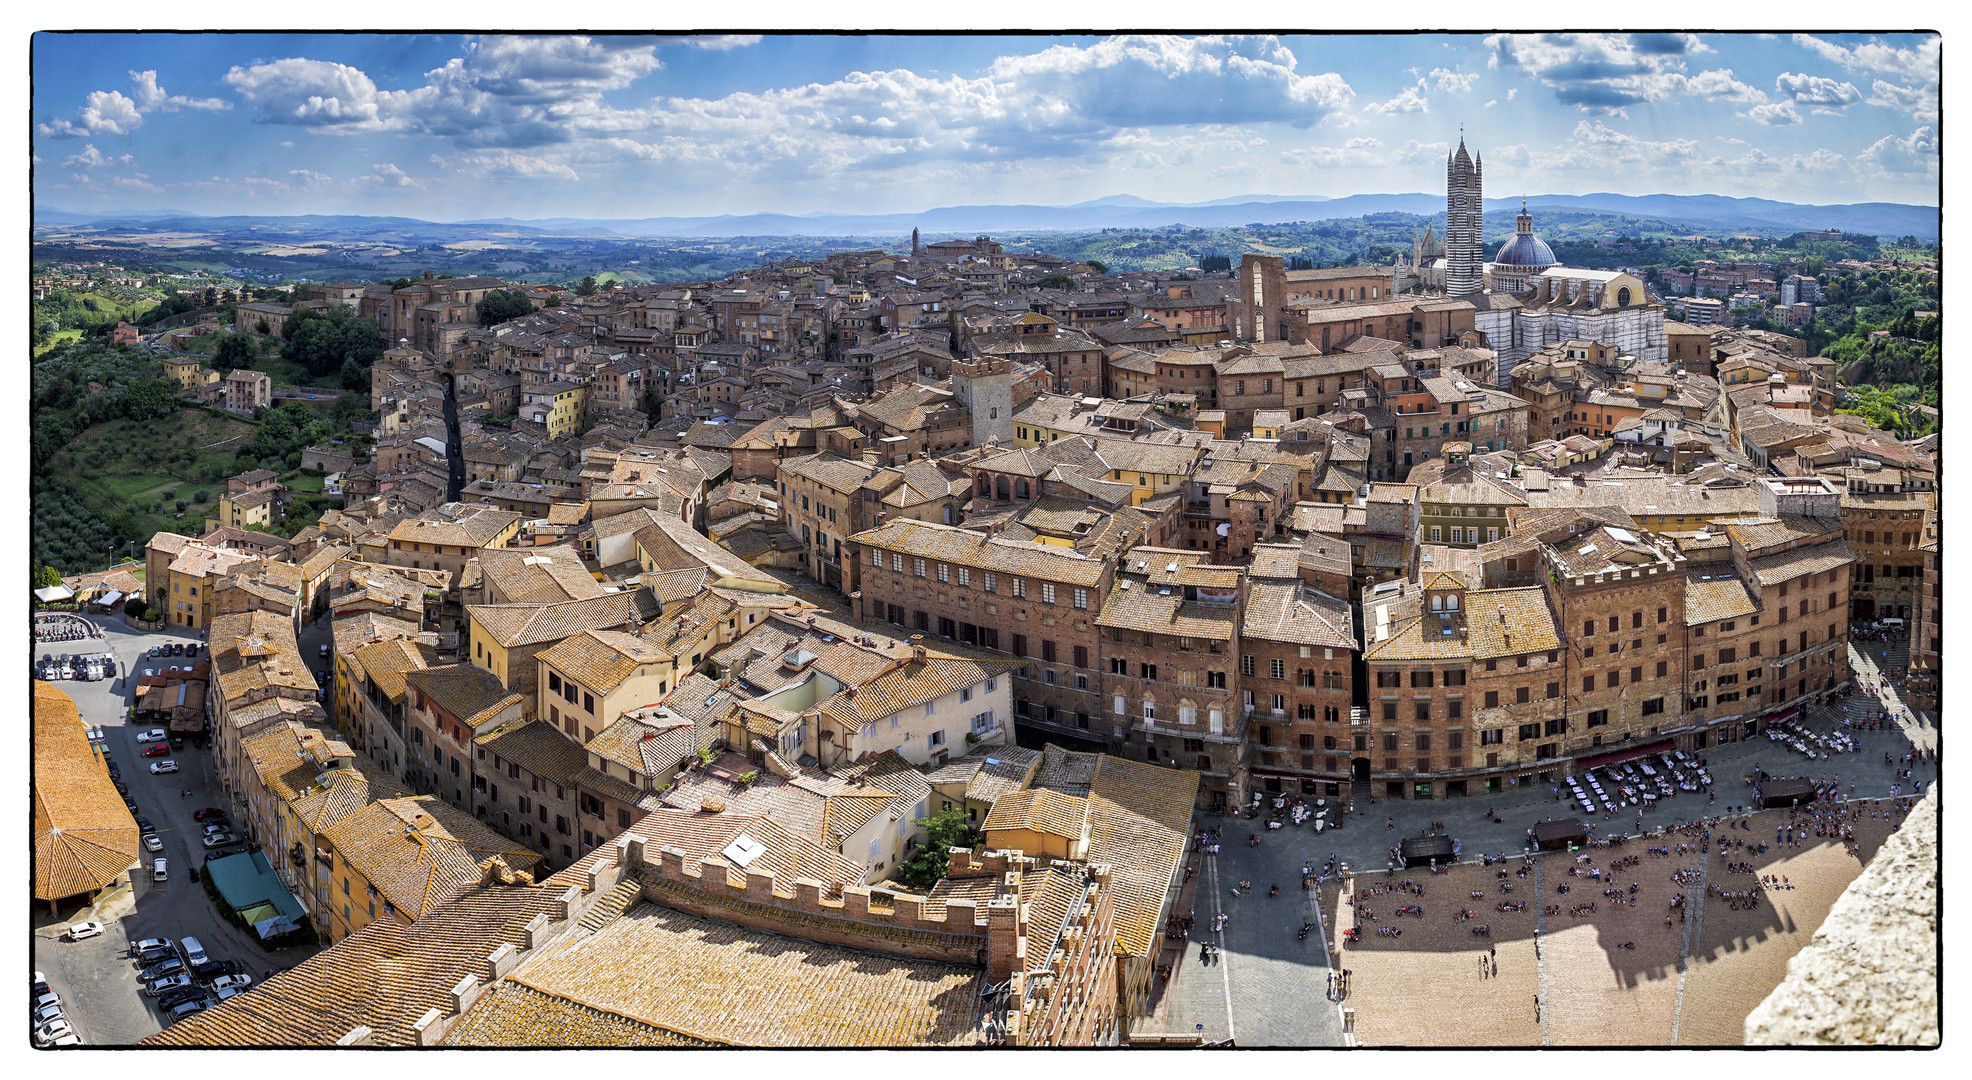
x=917 y=648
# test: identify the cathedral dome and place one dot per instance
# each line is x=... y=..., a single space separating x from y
x=1525 y=249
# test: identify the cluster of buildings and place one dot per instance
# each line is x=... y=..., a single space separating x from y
x=649 y=669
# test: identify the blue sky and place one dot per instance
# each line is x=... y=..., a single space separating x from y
x=451 y=128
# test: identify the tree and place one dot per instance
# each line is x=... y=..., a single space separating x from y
x=136 y=608
x=950 y=829
x=235 y=351
x=47 y=577
x=322 y=343
x=587 y=286
x=500 y=305
x=1096 y=266
x=151 y=399
x=1055 y=281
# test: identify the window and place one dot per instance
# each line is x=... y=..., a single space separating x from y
x=1663 y=668
x=944 y=572
x=1422 y=711
x=1492 y=699
x=1146 y=671
x=1636 y=674
x=937 y=739
x=1019 y=588
x=1492 y=738
x=1588 y=684
x=917 y=567
x=1588 y=627
x=1653 y=706
x=990 y=583
x=1529 y=731
x=1047 y=592
x=1082 y=599
x=1390 y=710
x=876 y=558
x=965 y=575
x=1598 y=717
x=983 y=722
x=1246 y=665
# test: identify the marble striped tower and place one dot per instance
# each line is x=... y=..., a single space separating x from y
x=1464 y=221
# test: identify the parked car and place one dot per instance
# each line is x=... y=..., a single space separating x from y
x=49 y=1032
x=228 y=992
x=152 y=956
x=189 y=1008
x=219 y=839
x=157 y=750
x=160 y=870
x=143 y=823
x=175 y=998
x=235 y=982
x=156 y=734
x=153 y=842
x=45 y=1000
x=83 y=931
x=169 y=982
x=208 y=812
x=166 y=766
x=214 y=969
x=163 y=968
x=194 y=952
x=150 y=943
x=211 y=827
x=46 y=1013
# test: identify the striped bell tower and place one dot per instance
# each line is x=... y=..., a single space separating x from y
x=1464 y=223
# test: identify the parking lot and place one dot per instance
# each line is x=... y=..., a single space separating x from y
x=96 y=980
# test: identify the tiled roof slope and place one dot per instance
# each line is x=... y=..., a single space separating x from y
x=83 y=836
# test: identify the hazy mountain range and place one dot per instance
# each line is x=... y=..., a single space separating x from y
x=1704 y=213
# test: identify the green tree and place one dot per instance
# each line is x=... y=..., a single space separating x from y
x=322 y=343
x=500 y=305
x=47 y=577
x=587 y=287
x=151 y=399
x=947 y=830
x=1055 y=281
x=1096 y=266
x=234 y=351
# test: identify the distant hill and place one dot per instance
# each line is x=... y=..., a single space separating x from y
x=1702 y=213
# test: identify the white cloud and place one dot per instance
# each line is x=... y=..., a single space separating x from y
x=1773 y=114
x=1357 y=153
x=723 y=42
x=1607 y=73
x=1917 y=70
x=314 y=94
x=1417 y=153
x=309 y=177
x=386 y=175
x=1491 y=103
x=1412 y=100
x=104 y=112
x=508 y=163
x=1920 y=102
x=1447 y=81
x=1816 y=90
x=152 y=96
x=91 y=158
x=1913 y=157
x=1511 y=91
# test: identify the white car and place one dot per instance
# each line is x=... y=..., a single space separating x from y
x=218 y=839
x=165 y=766
x=83 y=931
x=152 y=842
x=156 y=734
x=54 y=1029
x=232 y=982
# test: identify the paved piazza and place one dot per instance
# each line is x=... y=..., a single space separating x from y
x=1689 y=984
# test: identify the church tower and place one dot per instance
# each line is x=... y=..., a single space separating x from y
x=1464 y=222
x=915 y=249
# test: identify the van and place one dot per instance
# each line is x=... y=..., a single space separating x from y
x=159 y=870
x=194 y=952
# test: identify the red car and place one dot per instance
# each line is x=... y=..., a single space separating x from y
x=160 y=750
x=209 y=812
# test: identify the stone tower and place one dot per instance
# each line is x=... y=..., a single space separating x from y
x=915 y=249
x=1464 y=222
x=985 y=387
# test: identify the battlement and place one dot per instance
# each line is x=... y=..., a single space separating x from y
x=879 y=920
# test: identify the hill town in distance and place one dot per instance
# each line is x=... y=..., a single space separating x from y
x=1482 y=619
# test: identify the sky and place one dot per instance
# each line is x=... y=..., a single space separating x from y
x=450 y=127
